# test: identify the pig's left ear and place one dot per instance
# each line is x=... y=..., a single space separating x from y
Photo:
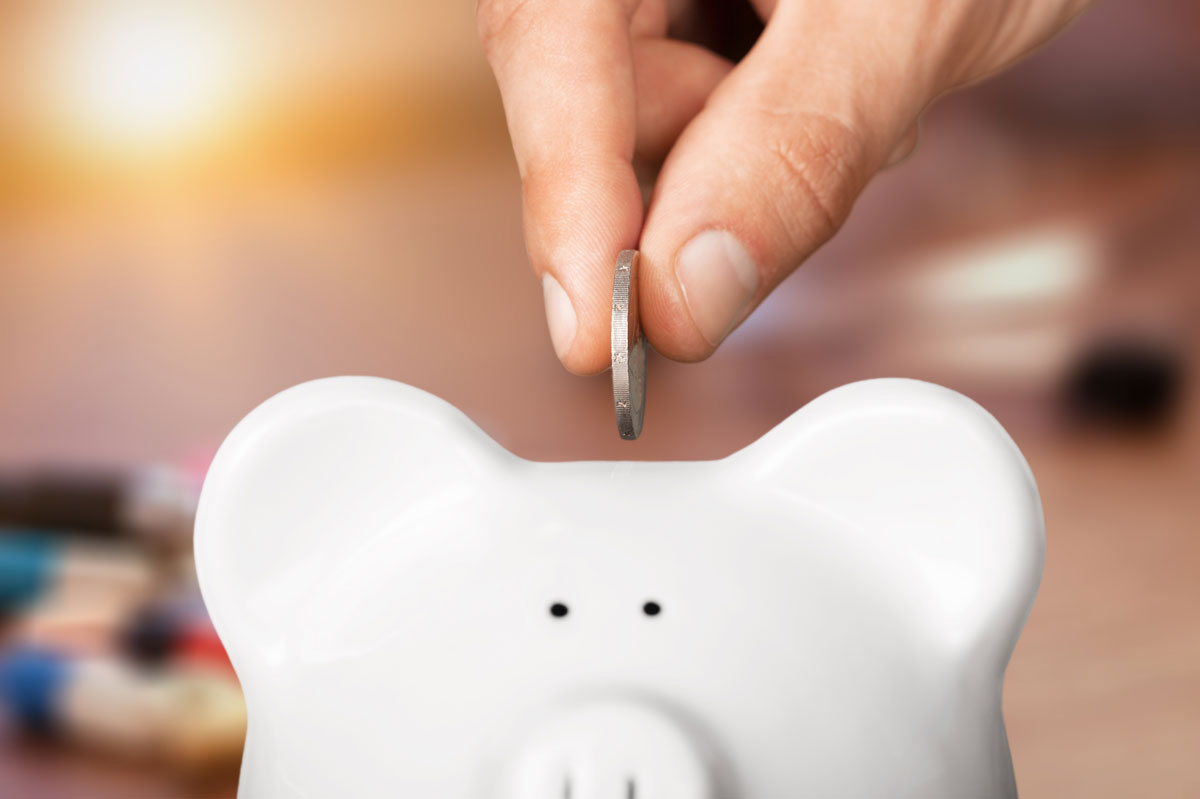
x=935 y=495
x=310 y=475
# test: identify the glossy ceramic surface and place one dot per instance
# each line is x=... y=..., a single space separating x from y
x=836 y=603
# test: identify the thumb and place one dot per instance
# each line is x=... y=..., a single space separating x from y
x=762 y=177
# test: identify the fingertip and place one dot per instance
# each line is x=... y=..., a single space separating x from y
x=697 y=295
x=719 y=279
x=578 y=216
x=561 y=318
x=588 y=356
x=579 y=319
x=579 y=353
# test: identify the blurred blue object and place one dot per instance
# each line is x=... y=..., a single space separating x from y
x=31 y=682
x=26 y=565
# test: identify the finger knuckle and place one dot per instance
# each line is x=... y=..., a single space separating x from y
x=816 y=174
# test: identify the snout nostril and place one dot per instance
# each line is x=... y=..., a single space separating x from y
x=612 y=748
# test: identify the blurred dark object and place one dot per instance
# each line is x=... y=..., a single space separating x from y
x=155 y=503
x=151 y=635
x=728 y=29
x=1124 y=384
x=72 y=500
x=158 y=635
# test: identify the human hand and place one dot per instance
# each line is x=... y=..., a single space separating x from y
x=763 y=159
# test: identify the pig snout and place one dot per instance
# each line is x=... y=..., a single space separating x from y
x=609 y=750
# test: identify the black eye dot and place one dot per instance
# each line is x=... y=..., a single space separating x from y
x=558 y=610
x=652 y=608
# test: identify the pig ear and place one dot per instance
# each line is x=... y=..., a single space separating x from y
x=937 y=500
x=309 y=475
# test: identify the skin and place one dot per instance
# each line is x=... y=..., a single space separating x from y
x=773 y=150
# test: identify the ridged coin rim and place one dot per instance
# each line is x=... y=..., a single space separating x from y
x=628 y=348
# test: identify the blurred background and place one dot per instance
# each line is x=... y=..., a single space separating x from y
x=202 y=203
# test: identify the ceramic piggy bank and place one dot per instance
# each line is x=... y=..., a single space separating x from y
x=415 y=612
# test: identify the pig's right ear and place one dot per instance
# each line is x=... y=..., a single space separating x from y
x=308 y=476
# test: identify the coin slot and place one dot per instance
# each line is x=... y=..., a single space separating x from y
x=651 y=608
x=558 y=610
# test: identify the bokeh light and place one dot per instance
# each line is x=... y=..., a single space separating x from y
x=146 y=75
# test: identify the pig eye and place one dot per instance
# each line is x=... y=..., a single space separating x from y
x=558 y=610
x=652 y=608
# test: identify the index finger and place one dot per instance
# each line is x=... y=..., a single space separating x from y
x=565 y=72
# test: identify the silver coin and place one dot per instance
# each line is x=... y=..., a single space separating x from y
x=628 y=348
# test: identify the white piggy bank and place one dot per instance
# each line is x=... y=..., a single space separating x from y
x=415 y=612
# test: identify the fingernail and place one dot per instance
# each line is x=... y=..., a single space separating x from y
x=560 y=315
x=719 y=278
